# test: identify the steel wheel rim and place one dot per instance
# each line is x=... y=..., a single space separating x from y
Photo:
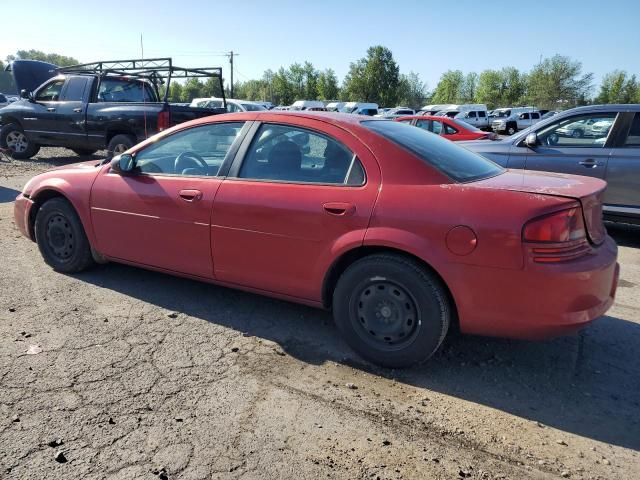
x=385 y=315
x=59 y=236
x=120 y=148
x=17 y=141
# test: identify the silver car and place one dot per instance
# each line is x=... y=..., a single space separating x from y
x=606 y=146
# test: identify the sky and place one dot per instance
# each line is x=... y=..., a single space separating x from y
x=427 y=37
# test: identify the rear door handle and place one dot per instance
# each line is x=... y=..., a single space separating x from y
x=51 y=109
x=339 y=209
x=77 y=110
x=589 y=163
x=190 y=195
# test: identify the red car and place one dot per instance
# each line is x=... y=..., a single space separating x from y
x=399 y=232
x=446 y=127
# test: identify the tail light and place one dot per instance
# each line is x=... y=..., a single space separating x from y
x=163 y=120
x=558 y=237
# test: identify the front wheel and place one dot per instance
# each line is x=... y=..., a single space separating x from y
x=61 y=238
x=391 y=311
x=20 y=147
x=511 y=129
x=83 y=152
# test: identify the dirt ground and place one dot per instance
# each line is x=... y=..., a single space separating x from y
x=143 y=375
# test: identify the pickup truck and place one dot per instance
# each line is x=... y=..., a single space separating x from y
x=87 y=110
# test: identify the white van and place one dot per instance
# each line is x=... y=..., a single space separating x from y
x=312 y=105
x=334 y=106
x=433 y=109
x=510 y=120
x=360 y=108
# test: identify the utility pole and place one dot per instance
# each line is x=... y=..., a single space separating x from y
x=230 y=55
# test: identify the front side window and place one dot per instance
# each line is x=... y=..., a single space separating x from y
x=456 y=162
x=524 y=116
x=590 y=130
x=123 y=90
x=51 y=92
x=633 y=137
x=472 y=115
x=289 y=154
x=197 y=151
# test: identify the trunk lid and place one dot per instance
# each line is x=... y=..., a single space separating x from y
x=588 y=191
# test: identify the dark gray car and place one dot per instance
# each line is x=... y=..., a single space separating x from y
x=600 y=141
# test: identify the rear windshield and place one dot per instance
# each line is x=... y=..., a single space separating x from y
x=465 y=125
x=456 y=162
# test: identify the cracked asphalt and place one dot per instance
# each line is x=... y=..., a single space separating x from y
x=122 y=373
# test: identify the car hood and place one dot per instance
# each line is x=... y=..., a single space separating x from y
x=30 y=74
x=89 y=164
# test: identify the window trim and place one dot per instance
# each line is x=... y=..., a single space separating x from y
x=226 y=162
x=242 y=155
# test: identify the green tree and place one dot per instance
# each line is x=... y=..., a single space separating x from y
x=489 y=90
x=374 y=78
x=449 y=87
x=468 y=88
x=56 y=59
x=558 y=81
x=310 y=91
x=211 y=87
x=514 y=87
x=328 y=85
x=412 y=91
x=175 y=92
x=618 y=87
x=193 y=88
x=283 y=93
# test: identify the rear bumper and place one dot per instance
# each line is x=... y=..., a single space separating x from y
x=539 y=301
x=21 y=212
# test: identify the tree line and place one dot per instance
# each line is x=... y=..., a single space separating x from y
x=557 y=82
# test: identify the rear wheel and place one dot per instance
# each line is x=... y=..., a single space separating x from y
x=120 y=144
x=13 y=138
x=391 y=310
x=61 y=238
x=83 y=152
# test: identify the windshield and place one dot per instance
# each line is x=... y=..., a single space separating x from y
x=454 y=161
x=253 y=107
x=500 y=113
x=348 y=109
x=465 y=125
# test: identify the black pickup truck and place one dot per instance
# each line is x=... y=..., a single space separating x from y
x=89 y=107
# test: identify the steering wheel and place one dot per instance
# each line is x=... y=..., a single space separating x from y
x=192 y=157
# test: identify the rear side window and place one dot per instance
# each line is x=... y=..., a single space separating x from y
x=123 y=90
x=482 y=114
x=75 y=89
x=633 y=137
x=284 y=153
x=454 y=161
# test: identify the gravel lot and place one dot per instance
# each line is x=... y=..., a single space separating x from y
x=143 y=375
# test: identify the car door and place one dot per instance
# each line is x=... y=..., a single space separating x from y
x=299 y=192
x=560 y=150
x=623 y=169
x=40 y=121
x=160 y=216
x=471 y=118
x=68 y=125
x=524 y=121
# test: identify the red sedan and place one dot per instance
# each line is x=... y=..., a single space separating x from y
x=399 y=232
x=450 y=128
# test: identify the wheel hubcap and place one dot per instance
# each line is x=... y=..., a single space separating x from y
x=17 y=142
x=60 y=237
x=120 y=148
x=386 y=315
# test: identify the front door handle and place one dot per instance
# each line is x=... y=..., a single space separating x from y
x=77 y=110
x=339 y=209
x=190 y=195
x=589 y=163
x=51 y=109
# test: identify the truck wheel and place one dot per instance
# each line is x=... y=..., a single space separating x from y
x=391 y=311
x=511 y=129
x=61 y=238
x=577 y=133
x=120 y=144
x=83 y=152
x=20 y=147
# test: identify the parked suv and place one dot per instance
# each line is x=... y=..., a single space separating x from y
x=510 y=121
x=607 y=147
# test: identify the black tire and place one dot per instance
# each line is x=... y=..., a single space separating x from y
x=83 y=152
x=119 y=144
x=13 y=138
x=391 y=311
x=61 y=238
x=511 y=129
x=577 y=133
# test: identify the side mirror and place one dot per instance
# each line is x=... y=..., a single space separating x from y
x=26 y=94
x=124 y=163
x=532 y=140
